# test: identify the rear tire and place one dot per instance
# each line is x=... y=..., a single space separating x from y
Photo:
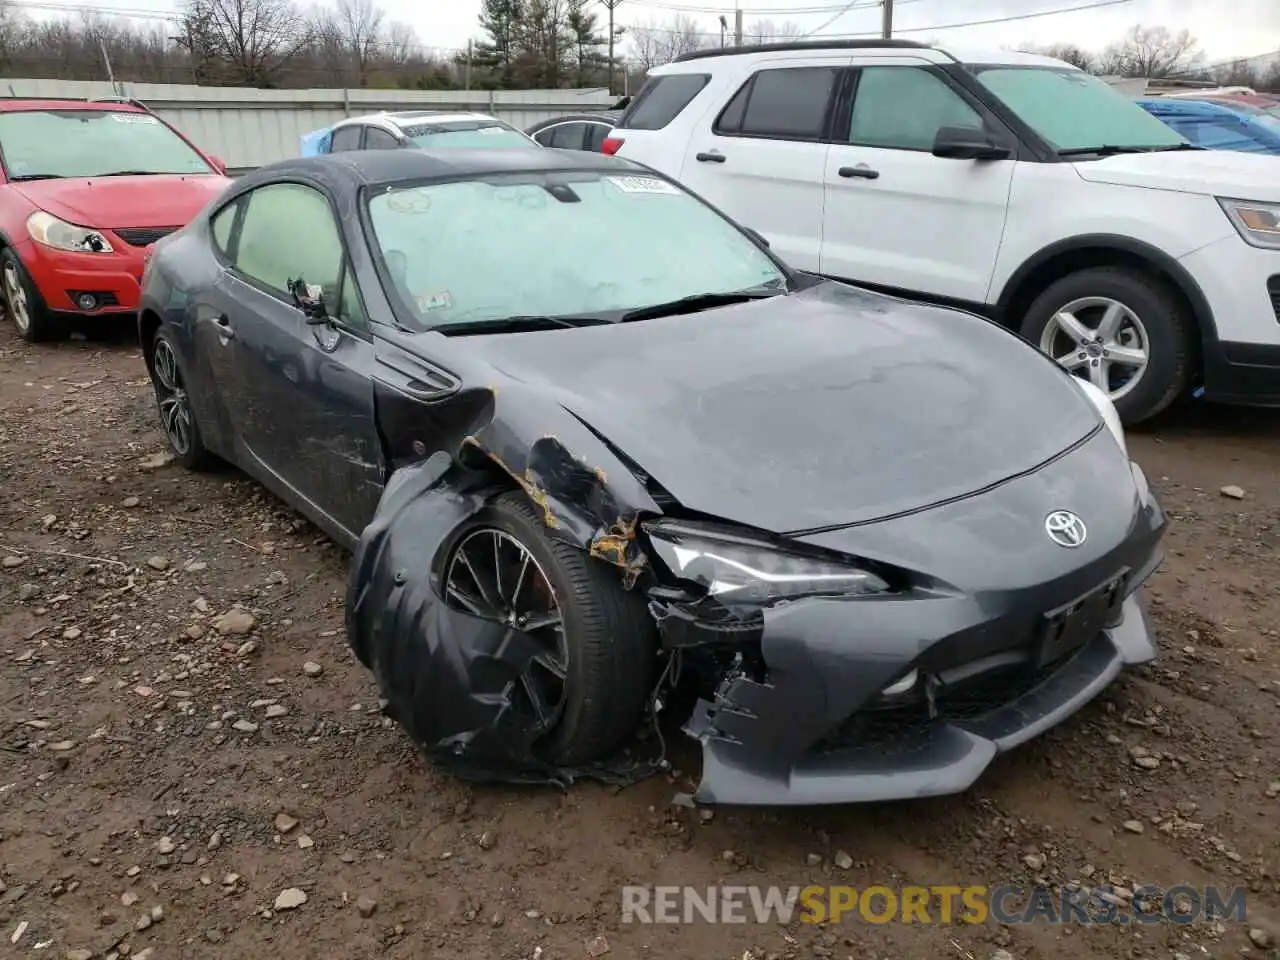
x=23 y=303
x=1148 y=318
x=177 y=418
x=608 y=635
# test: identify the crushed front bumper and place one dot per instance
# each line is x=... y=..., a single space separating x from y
x=824 y=721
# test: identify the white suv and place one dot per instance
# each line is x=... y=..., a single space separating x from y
x=1009 y=184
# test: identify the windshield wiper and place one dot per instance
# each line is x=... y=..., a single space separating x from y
x=1178 y=146
x=695 y=303
x=1102 y=150
x=515 y=324
x=25 y=177
x=132 y=173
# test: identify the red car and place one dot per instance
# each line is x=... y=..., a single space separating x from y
x=84 y=187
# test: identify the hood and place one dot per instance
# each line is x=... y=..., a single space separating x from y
x=828 y=407
x=157 y=200
x=1223 y=173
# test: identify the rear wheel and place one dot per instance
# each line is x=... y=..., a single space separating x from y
x=177 y=419
x=23 y=303
x=1121 y=330
x=593 y=642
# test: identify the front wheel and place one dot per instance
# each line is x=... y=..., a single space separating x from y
x=1124 y=332
x=592 y=642
x=23 y=303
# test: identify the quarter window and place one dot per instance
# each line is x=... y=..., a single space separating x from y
x=223 y=223
x=902 y=108
x=662 y=99
x=345 y=138
x=788 y=104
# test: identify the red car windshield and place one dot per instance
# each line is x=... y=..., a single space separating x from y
x=40 y=144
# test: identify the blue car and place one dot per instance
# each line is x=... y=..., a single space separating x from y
x=1215 y=126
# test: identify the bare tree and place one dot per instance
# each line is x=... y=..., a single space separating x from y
x=654 y=43
x=253 y=39
x=771 y=31
x=1152 y=52
x=1067 y=52
x=360 y=25
x=401 y=42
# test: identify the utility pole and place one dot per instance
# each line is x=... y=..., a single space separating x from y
x=467 y=73
x=886 y=28
x=737 y=27
x=611 y=5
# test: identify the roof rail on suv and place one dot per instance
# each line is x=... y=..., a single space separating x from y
x=802 y=45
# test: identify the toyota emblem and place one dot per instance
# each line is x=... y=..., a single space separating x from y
x=1065 y=528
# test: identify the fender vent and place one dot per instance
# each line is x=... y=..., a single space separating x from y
x=1273 y=288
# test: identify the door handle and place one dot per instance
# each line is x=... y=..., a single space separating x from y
x=225 y=330
x=709 y=157
x=861 y=170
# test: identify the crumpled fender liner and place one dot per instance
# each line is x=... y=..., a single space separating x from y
x=450 y=678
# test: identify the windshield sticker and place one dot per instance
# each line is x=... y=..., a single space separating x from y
x=409 y=201
x=429 y=302
x=643 y=185
x=133 y=118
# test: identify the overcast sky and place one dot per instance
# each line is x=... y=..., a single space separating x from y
x=1226 y=28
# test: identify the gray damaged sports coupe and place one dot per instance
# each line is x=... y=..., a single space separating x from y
x=600 y=455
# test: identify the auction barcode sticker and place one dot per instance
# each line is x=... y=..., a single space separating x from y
x=643 y=185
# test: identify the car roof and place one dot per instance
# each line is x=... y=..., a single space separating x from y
x=703 y=58
x=356 y=168
x=1202 y=108
x=610 y=117
x=402 y=118
x=17 y=104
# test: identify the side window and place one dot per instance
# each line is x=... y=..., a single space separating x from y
x=377 y=139
x=902 y=108
x=568 y=136
x=223 y=223
x=596 y=135
x=662 y=99
x=789 y=104
x=289 y=232
x=345 y=138
x=1216 y=134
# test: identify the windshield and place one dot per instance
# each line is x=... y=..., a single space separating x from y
x=1073 y=110
x=562 y=244
x=467 y=134
x=90 y=143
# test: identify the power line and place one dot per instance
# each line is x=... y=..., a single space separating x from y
x=983 y=23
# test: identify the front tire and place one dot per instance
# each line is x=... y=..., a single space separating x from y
x=1123 y=331
x=595 y=675
x=177 y=418
x=23 y=303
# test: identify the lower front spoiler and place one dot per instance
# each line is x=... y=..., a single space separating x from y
x=946 y=757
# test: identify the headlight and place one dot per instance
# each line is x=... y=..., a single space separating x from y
x=739 y=569
x=1108 y=410
x=47 y=229
x=1258 y=223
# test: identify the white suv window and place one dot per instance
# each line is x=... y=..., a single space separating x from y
x=662 y=99
x=786 y=104
x=902 y=108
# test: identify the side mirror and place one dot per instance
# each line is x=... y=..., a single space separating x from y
x=309 y=298
x=218 y=163
x=968 y=143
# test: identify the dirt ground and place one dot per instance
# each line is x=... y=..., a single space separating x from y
x=146 y=758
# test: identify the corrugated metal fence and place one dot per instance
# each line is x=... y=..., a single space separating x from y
x=247 y=127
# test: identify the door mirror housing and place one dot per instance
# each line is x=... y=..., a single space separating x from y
x=968 y=143
x=309 y=298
